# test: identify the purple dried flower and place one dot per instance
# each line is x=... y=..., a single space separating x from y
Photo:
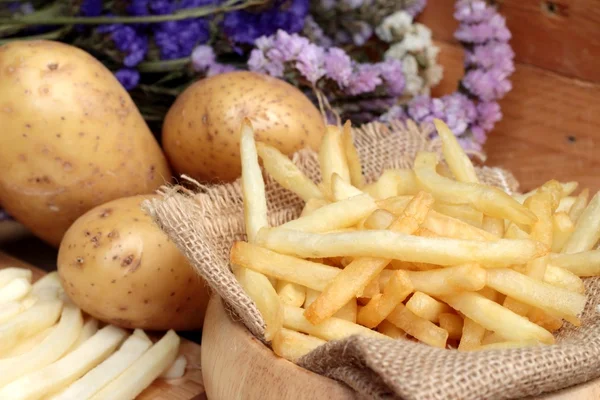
x=259 y=63
x=128 y=41
x=364 y=79
x=492 y=55
x=414 y=7
x=216 y=69
x=488 y=114
x=310 y=62
x=394 y=113
x=202 y=58
x=479 y=134
x=338 y=66
x=483 y=32
x=469 y=11
x=128 y=77
x=391 y=73
x=286 y=47
x=419 y=108
x=487 y=85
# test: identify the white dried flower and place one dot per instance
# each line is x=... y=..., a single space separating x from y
x=394 y=26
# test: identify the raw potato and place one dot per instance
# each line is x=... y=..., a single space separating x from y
x=71 y=138
x=120 y=268
x=201 y=132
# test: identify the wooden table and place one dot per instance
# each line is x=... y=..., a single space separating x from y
x=551 y=118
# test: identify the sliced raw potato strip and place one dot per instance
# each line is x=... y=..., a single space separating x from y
x=104 y=373
x=143 y=371
x=9 y=310
x=27 y=344
x=66 y=370
x=292 y=345
x=47 y=350
x=10 y=273
x=40 y=316
x=90 y=327
x=15 y=290
x=177 y=369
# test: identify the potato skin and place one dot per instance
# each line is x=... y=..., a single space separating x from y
x=71 y=137
x=201 y=132
x=119 y=267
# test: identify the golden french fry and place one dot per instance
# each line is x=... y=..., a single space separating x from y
x=494 y=317
x=341 y=189
x=352 y=157
x=292 y=345
x=105 y=372
x=394 y=245
x=312 y=205
x=587 y=229
x=291 y=293
x=348 y=312
x=353 y=279
x=311 y=296
x=397 y=289
x=391 y=330
x=462 y=212
x=472 y=335
x=534 y=292
x=68 y=369
x=386 y=186
x=286 y=268
x=407 y=183
x=286 y=173
x=11 y=273
x=457 y=160
x=338 y=215
x=450 y=227
x=330 y=329
x=545 y=320
x=443 y=281
x=492 y=337
x=394 y=205
x=487 y=199
x=516 y=306
x=332 y=158
x=262 y=292
x=541 y=205
x=253 y=186
x=495 y=226
x=514 y=232
x=420 y=328
x=562 y=228
x=565 y=205
x=373 y=288
x=143 y=371
x=563 y=189
x=585 y=263
x=579 y=205
x=490 y=293
x=378 y=219
x=427 y=307
x=561 y=277
x=453 y=324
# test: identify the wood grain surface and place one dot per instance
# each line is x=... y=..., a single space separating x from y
x=186 y=388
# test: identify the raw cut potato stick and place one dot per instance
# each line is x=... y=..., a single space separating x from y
x=143 y=371
x=292 y=345
x=14 y=290
x=338 y=215
x=330 y=329
x=286 y=173
x=256 y=285
x=394 y=245
x=587 y=229
x=487 y=199
x=40 y=316
x=420 y=328
x=496 y=318
x=90 y=327
x=47 y=350
x=332 y=157
x=27 y=344
x=66 y=370
x=10 y=309
x=352 y=157
x=177 y=369
x=105 y=372
x=354 y=278
x=585 y=263
x=10 y=273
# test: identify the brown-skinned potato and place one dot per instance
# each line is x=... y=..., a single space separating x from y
x=119 y=267
x=201 y=132
x=71 y=138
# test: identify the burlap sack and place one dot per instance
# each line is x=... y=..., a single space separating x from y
x=205 y=223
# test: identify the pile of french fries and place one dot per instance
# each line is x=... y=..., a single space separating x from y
x=427 y=254
x=49 y=350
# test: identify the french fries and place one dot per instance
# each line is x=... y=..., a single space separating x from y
x=427 y=252
x=143 y=370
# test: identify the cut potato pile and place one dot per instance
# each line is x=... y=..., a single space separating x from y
x=49 y=350
x=427 y=254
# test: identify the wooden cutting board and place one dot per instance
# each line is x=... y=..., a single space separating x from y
x=189 y=387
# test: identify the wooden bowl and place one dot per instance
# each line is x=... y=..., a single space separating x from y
x=236 y=365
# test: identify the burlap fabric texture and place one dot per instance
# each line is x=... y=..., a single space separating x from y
x=205 y=222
